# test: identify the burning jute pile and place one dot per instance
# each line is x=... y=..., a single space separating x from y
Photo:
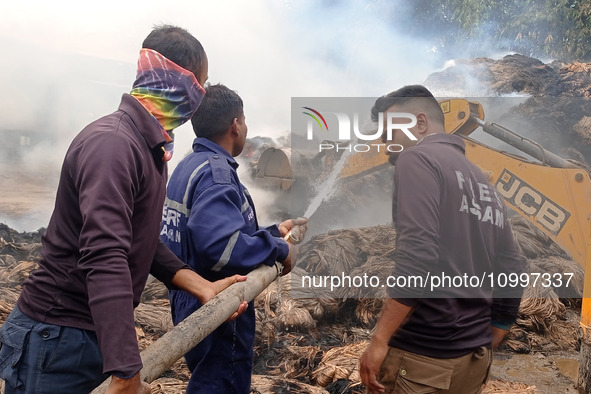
x=312 y=345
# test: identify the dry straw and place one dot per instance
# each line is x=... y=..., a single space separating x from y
x=319 y=338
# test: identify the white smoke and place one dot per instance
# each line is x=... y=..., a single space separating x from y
x=67 y=63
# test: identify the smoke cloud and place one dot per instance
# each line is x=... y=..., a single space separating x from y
x=65 y=65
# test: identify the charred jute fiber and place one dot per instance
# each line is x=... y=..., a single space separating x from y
x=502 y=387
x=312 y=345
x=154 y=290
x=543 y=319
x=168 y=386
x=354 y=252
x=340 y=363
x=278 y=385
x=154 y=316
x=532 y=242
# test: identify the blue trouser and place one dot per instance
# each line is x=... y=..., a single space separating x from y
x=43 y=358
x=222 y=362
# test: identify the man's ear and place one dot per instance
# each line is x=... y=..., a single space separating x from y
x=234 y=128
x=422 y=123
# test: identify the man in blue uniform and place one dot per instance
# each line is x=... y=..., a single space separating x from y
x=209 y=221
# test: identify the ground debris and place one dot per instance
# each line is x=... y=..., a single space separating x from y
x=312 y=345
x=502 y=387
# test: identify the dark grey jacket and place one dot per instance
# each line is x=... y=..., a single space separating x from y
x=452 y=232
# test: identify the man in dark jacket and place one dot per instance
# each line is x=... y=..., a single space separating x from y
x=73 y=325
x=210 y=222
x=450 y=223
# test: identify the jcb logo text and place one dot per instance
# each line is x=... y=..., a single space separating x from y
x=531 y=202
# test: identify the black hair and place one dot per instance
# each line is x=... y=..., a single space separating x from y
x=177 y=45
x=218 y=109
x=408 y=94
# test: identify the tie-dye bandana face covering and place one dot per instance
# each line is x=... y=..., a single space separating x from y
x=169 y=92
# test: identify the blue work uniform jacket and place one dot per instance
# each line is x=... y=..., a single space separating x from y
x=209 y=220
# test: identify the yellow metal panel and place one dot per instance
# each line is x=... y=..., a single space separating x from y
x=458 y=113
x=556 y=200
x=362 y=162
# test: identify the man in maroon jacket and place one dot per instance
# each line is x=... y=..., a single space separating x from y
x=73 y=325
x=433 y=335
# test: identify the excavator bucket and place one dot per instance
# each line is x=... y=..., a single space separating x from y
x=274 y=168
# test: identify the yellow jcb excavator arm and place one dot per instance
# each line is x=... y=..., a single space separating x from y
x=554 y=194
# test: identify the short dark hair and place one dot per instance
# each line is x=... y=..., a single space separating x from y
x=177 y=45
x=217 y=111
x=408 y=94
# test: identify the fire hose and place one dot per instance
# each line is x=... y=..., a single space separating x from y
x=173 y=345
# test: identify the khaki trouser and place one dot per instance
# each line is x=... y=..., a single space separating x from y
x=405 y=372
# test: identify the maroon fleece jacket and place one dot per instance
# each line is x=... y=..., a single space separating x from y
x=103 y=238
